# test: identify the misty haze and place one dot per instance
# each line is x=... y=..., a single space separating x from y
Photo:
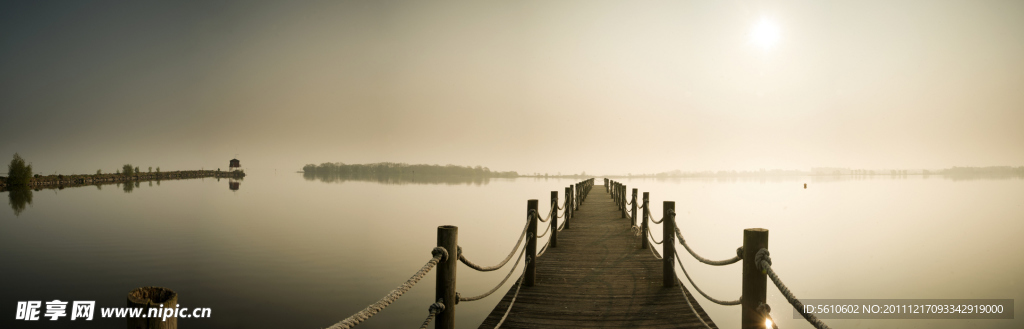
x=525 y=164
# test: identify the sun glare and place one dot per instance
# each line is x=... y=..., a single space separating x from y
x=765 y=33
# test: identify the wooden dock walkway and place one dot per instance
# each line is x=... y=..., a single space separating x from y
x=598 y=277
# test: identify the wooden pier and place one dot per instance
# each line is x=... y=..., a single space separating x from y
x=598 y=277
x=600 y=268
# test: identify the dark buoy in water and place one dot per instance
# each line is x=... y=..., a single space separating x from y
x=805 y=186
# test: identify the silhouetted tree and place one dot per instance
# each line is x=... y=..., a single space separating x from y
x=18 y=173
x=127 y=169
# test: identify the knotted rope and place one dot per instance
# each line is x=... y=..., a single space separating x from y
x=434 y=309
x=764 y=263
x=440 y=254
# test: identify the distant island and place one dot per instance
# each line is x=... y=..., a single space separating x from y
x=402 y=173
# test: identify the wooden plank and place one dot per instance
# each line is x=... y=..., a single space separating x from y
x=598 y=277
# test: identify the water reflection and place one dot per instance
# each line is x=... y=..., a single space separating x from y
x=18 y=198
x=399 y=179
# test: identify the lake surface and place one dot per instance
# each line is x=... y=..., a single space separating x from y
x=287 y=251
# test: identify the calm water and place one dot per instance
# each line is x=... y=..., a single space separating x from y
x=284 y=251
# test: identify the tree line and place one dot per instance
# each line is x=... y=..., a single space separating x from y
x=391 y=169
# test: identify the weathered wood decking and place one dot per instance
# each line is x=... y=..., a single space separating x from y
x=598 y=277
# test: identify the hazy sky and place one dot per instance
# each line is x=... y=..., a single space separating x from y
x=548 y=86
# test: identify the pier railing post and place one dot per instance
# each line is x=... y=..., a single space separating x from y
x=566 y=211
x=643 y=228
x=568 y=205
x=668 y=249
x=632 y=212
x=531 y=243
x=579 y=188
x=755 y=282
x=623 y=195
x=447 y=238
x=554 y=220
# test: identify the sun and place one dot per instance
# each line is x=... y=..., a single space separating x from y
x=765 y=34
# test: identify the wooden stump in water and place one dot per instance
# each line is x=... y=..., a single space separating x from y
x=158 y=298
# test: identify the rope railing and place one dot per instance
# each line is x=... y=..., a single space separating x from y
x=686 y=297
x=739 y=253
x=489 y=292
x=519 y=284
x=654 y=251
x=435 y=308
x=753 y=238
x=471 y=265
x=542 y=250
x=545 y=219
x=547 y=228
x=712 y=299
x=764 y=263
x=439 y=253
x=444 y=262
x=655 y=241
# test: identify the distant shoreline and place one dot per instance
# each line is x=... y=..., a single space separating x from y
x=62 y=181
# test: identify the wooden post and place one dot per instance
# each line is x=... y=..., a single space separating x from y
x=623 y=195
x=568 y=205
x=632 y=212
x=754 y=281
x=568 y=214
x=579 y=196
x=643 y=227
x=553 y=242
x=447 y=238
x=531 y=244
x=146 y=298
x=615 y=191
x=668 y=246
x=583 y=194
x=611 y=189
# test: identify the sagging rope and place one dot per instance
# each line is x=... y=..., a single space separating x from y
x=654 y=251
x=562 y=226
x=652 y=238
x=434 y=309
x=545 y=219
x=484 y=295
x=463 y=259
x=764 y=262
x=542 y=250
x=739 y=253
x=657 y=221
x=546 y=229
x=513 y=301
x=440 y=254
x=713 y=300
x=687 y=298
